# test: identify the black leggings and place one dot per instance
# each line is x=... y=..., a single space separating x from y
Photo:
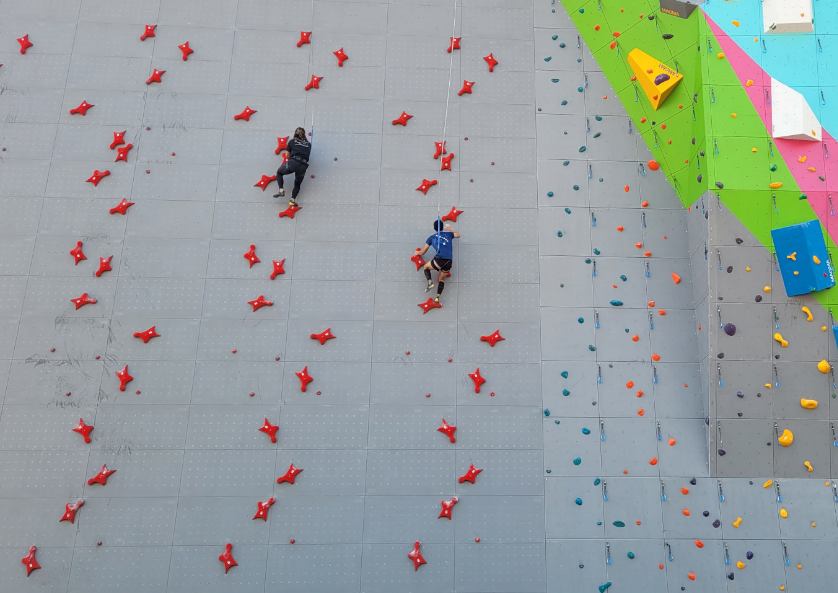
x=299 y=171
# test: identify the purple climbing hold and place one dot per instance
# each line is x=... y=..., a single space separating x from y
x=739 y=241
x=720 y=355
x=692 y=481
x=730 y=576
x=740 y=394
x=720 y=185
x=758 y=298
x=706 y=513
x=749 y=555
x=729 y=269
x=699 y=178
x=730 y=329
x=717 y=523
x=661 y=78
x=722 y=452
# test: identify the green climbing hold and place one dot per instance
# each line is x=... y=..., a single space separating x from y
x=581 y=320
x=619 y=524
x=555 y=37
x=591 y=347
x=803 y=197
x=576 y=188
x=559 y=234
x=565 y=392
x=580 y=89
x=604 y=588
x=773 y=167
x=567 y=210
x=598 y=117
x=598 y=134
x=549 y=194
x=582 y=149
x=564 y=374
x=617 y=303
x=579 y=502
x=577 y=461
x=630 y=555
x=623 y=277
x=566 y=163
x=548 y=58
x=596 y=251
x=821 y=178
x=833 y=396
x=564 y=102
x=596 y=482
x=586 y=431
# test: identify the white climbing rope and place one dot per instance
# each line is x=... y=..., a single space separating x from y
x=445 y=121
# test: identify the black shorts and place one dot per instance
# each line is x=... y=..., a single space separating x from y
x=442 y=265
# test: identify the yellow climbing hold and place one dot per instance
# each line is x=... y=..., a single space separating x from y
x=733 y=115
x=809 y=404
x=648 y=70
x=740 y=565
x=784 y=513
x=737 y=522
x=824 y=367
x=823 y=328
x=811 y=169
x=786 y=438
x=799 y=566
x=735 y=23
x=780 y=339
x=720 y=55
x=809 y=467
x=776 y=185
x=766 y=289
x=747 y=269
x=796 y=273
x=768 y=484
x=816 y=259
x=768 y=385
x=814 y=524
x=806 y=309
x=793 y=256
x=802 y=159
x=749 y=82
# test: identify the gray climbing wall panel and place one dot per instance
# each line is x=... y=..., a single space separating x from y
x=590 y=429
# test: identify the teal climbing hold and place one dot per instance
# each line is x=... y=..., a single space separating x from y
x=561 y=285
x=546 y=412
x=557 y=421
x=554 y=80
x=578 y=60
x=586 y=431
x=596 y=482
x=580 y=89
x=591 y=347
x=565 y=392
x=582 y=149
x=619 y=524
x=598 y=134
x=599 y=522
x=604 y=588
x=567 y=210
x=549 y=471
x=555 y=37
x=627 y=330
x=617 y=303
x=564 y=102
x=575 y=188
x=598 y=117
x=577 y=461
x=581 y=10
x=803 y=197
x=630 y=555
x=581 y=566
x=564 y=374
x=539 y=108
x=581 y=320
x=562 y=44
x=587 y=260
x=559 y=234
x=600 y=179
x=566 y=163
x=596 y=251
x=549 y=194
x=548 y=58
x=579 y=502
x=623 y=277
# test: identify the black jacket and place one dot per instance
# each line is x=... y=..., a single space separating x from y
x=299 y=150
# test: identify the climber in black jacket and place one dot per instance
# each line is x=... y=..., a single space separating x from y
x=299 y=149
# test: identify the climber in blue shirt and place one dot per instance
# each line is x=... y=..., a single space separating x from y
x=443 y=244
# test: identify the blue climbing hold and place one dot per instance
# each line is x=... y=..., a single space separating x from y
x=549 y=194
x=580 y=89
x=562 y=44
x=565 y=392
x=630 y=555
x=599 y=522
x=600 y=179
x=617 y=303
x=557 y=421
x=568 y=209
x=586 y=431
x=604 y=588
x=581 y=320
x=619 y=524
x=546 y=412
x=564 y=102
x=579 y=502
x=596 y=251
x=578 y=60
x=559 y=234
x=582 y=149
x=548 y=58
x=596 y=483
x=564 y=374
x=577 y=461
x=623 y=277
x=554 y=80
x=591 y=347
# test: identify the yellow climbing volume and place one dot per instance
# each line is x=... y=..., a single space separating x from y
x=656 y=78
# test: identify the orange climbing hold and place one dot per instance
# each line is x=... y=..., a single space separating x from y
x=626 y=189
x=616 y=33
x=620 y=229
x=640 y=393
x=656 y=357
x=653 y=164
x=686 y=512
x=638 y=245
x=644 y=203
x=662 y=312
x=630 y=384
x=647 y=253
x=691 y=576
x=672 y=444
x=640 y=412
x=699 y=543
x=653 y=461
x=676 y=278
x=635 y=338
x=651 y=303
x=596 y=27
x=685 y=491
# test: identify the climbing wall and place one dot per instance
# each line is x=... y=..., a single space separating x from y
x=205 y=390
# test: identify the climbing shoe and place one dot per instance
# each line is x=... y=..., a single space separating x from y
x=429 y=287
x=436 y=300
x=279 y=193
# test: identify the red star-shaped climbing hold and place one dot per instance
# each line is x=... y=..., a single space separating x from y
x=147 y=334
x=227 y=558
x=402 y=119
x=418 y=260
x=478 y=380
x=289 y=476
x=490 y=59
x=305 y=37
x=284 y=158
x=82 y=109
x=118 y=138
x=470 y=475
x=245 y=115
x=186 y=50
x=282 y=144
x=455 y=44
x=440 y=149
x=30 y=562
x=428 y=305
x=122 y=207
x=269 y=429
x=493 y=339
x=122 y=153
x=251 y=256
x=340 y=56
x=447 y=429
x=314 y=83
x=262 y=509
x=84 y=430
x=452 y=215
x=24 y=43
x=263 y=183
x=77 y=253
x=260 y=302
x=447 y=505
x=155 y=76
x=305 y=379
x=446 y=162
x=97 y=177
x=70 y=511
x=104 y=265
x=426 y=185
x=101 y=477
x=149 y=32
x=278 y=269
x=290 y=211
x=82 y=301
x=416 y=556
x=466 y=87
x=323 y=336
x=124 y=377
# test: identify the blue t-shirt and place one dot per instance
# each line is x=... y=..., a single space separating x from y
x=443 y=243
